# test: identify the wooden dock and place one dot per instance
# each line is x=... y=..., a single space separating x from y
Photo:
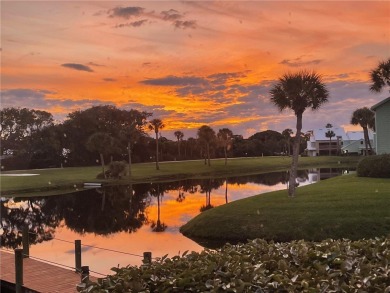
x=40 y=276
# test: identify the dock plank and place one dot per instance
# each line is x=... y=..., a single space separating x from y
x=40 y=276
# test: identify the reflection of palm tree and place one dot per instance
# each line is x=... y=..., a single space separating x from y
x=206 y=187
x=158 y=226
x=298 y=91
x=226 y=190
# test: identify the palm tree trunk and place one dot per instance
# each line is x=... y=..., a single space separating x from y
x=294 y=164
x=208 y=155
x=178 y=146
x=157 y=166
x=102 y=161
x=225 y=155
x=367 y=140
x=129 y=154
x=330 y=146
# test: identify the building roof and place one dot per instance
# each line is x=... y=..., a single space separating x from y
x=319 y=134
x=376 y=106
x=358 y=135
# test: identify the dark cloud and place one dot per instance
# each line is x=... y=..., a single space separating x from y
x=126 y=12
x=41 y=99
x=157 y=110
x=95 y=64
x=17 y=97
x=137 y=23
x=172 y=80
x=171 y=15
x=299 y=62
x=184 y=24
x=109 y=79
x=77 y=66
x=221 y=78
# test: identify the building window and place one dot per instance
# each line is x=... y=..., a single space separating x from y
x=361 y=142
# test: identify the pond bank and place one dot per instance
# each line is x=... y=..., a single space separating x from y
x=342 y=207
x=65 y=180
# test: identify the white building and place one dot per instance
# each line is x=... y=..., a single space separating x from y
x=355 y=144
x=319 y=144
x=351 y=142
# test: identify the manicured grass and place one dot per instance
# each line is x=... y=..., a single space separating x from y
x=342 y=207
x=65 y=180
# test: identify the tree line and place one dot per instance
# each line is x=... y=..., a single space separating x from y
x=102 y=134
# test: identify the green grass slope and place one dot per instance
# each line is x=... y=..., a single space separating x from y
x=342 y=207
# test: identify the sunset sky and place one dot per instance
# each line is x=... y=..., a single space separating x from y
x=191 y=62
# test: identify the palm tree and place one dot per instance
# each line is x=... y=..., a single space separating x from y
x=206 y=136
x=366 y=119
x=298 y=91
x=329 y=134
x=179 y=135
x=225 y=135
x=156 y=125
x=380 y=76
x=287 y=136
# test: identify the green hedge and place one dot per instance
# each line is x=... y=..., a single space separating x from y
x=259 y=266
x=374 y=166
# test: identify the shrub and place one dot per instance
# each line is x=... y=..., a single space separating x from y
x=118 y=169
x=259 y=266
x=374 y=166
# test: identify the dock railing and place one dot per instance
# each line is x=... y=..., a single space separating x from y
x=84 y=271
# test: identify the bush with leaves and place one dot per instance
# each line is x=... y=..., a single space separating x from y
x=374 y=166
x=118 y=169
x=259 y=266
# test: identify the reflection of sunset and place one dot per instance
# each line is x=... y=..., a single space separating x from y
x=174 y=214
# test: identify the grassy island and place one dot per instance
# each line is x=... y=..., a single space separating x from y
x=342 y=207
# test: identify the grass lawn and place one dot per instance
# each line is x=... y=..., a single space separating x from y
x=63 y=180
x=342 y=207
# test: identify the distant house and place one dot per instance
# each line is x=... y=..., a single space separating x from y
x=355 y=144
x=319 y=144
x=382 y=126
x=351 y=142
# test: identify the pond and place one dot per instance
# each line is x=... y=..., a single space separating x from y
x=116 y=224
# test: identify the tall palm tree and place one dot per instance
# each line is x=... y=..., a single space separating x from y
x=380 y=76
x=179 y=135
x=329 y=134
x=366 y=119
x=298 y=91
x=225 y=135
x=156 y=125
x=206 y=136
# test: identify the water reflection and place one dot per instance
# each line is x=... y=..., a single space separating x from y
x=126 y=216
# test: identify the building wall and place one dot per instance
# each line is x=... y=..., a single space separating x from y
x=382 y=125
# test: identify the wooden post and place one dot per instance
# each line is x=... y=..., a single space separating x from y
x=147 y=257
x=18 y=270
x=25 y=242
x=77 y=254
x=85 y=274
